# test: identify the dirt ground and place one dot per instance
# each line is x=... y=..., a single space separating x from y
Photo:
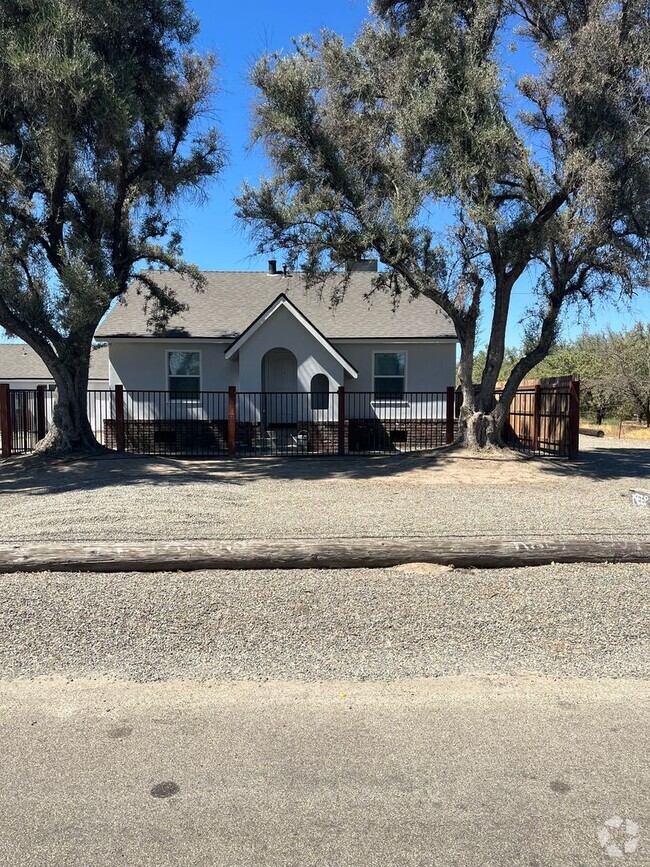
x=443 y=494
x=600 y=458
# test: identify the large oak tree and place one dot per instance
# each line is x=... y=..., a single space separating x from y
x=102 y=129
x=412 y=143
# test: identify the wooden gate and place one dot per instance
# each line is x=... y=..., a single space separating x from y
x=544 y=417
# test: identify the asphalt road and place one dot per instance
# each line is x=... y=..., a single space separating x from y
x=449 y=771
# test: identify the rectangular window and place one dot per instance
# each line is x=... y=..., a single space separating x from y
x=390 y=374
x=183 y=374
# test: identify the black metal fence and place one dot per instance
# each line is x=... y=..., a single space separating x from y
x=30 y=412
x=167 y=423
x=211 y=424
x=381 y=424
x=247 y=424
x=101 y=410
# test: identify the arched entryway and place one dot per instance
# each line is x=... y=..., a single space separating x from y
x=279 y=371
x=279 y=384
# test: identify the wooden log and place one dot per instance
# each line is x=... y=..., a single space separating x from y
x=313 y=554
x=591 y=432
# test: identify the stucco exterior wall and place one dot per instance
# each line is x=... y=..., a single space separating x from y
x=429 y=367
x=283 y=331
x=142 y=365
x=31 y=384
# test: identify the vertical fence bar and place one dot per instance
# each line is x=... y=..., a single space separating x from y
x=120 y=439
x=232 y=420
x=40 y=412
x=574 y=418
x=451 y=406
x=341 y=421
x=537 y=416
x=5 y=419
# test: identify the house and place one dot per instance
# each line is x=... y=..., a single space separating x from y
x=265 y=332
x=286 y=349
x=23 y=369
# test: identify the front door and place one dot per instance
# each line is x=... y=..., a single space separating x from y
x=280 y=378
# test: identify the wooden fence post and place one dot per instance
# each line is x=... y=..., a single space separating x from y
x=341 y=420
x=120 y=438
x=450 y=413
x=41 y=422
x=537 y=416
x=574 y=418
x=232 y=421
x=5 y=419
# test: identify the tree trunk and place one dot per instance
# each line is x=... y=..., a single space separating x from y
x=70 y=430
x=483 y=430
x=481 y=422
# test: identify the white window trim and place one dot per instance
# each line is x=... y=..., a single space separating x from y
x=398 y=398
x=319 y=414
x=167 y=375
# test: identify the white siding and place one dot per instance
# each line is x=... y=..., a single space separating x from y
x=25 y=384
x=31 y=384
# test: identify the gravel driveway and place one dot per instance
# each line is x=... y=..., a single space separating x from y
x=410 y=621
x=453 y=494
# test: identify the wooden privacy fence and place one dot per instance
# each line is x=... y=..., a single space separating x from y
x=543 y=421
x=544 y=417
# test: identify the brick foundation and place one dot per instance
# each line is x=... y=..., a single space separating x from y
x=370 y=435
x=206 y=438
x=171 y=437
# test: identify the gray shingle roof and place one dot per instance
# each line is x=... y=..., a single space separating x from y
x=19 y=361
x=233 y=299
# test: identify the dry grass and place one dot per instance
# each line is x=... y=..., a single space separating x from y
x=628 y=430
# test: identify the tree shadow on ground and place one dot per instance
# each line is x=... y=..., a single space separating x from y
x=37 y=475
x=32 y=474
x=606 y=463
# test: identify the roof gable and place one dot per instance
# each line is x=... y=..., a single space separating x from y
x=283 y=302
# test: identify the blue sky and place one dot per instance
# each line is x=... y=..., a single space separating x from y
x=238 y=33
